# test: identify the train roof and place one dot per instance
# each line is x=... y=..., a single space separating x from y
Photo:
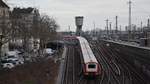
x=87 y=53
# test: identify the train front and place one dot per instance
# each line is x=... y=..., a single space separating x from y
x=92 y=69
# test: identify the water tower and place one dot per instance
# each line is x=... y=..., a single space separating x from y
x=79 y=23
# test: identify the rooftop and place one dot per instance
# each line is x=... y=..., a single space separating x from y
x=3 y=4
x=23 y=10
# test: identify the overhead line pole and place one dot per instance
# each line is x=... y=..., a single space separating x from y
x=129 y=29
x=141 y=26
x=69 y=30
x=110 y=28
x=116 y=25
x=94 y=32
x=107 y=27
x=148 y=23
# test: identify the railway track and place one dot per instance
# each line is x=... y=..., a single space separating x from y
x=111 y=77
x=123 y=73
x=69 y=66
x=83 y=80
x=73 y=69
x=117 y=71
x=106 y=71
x=124 y=76
x=138 y=78
x=129 y=74
x=126 y=73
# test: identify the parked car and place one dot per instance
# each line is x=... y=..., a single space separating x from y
x=19 y=52
x=13 y=56
x=7 y=64
x=48 y=51
x=17 y=61
x=11 y=53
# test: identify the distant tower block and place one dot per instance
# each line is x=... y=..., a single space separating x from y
x=79 y=23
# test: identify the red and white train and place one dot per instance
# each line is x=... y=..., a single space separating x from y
x=90 y=67
x=69 y=37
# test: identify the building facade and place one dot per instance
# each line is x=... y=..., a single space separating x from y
x=24 y=20
x=5 y=26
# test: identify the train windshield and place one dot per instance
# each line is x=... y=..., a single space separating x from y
x=91 y=66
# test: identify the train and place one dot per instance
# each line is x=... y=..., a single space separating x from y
x=90 y=65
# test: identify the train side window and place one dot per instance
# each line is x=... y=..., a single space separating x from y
x=91 y=66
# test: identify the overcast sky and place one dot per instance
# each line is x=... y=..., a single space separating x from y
x=93 y=11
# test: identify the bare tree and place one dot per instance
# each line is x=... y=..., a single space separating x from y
x=20 y=29
x=38 y=27
x=5 y=31
x=45 y=29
